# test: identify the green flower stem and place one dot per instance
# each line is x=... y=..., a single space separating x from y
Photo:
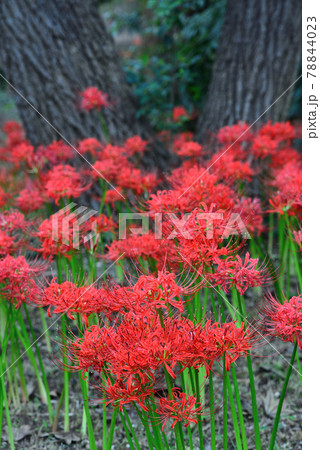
x=225 y=407
x=43 y=372
x=282 y=396
x=270 y=233
x=234 y=414
x=299 y=367
x=199 y=422
x=65 y=377
x=144 y=422
x=25 y=341
x=239 y=407
x=178 y=428
x=112 y=427
x=45 y=330
x=84 y=390
x=4 y=398
x=104 y=126
x=294 y=252
x=212 y=413
x=131 y=429
x=183 y=384
x=252 y=384
x=155 y=423
x=126 y=430
x=20 y=370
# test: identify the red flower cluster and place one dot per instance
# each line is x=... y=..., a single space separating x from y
x=64 y=182
x=92 y=98
x=233 y=272
x=179 y=113
x=17 y=280
x=283 y=320
x=181 y=408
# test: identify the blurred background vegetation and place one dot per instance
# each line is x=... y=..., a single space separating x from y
x=167 y=50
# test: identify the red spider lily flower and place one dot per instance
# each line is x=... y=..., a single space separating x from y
x=283 y=155
x=239 y=274
x=251 y=214
x=30 y=199
x=12 y=125
x=110 y=167
x=114 y=153
x=228 y=168
x=56 y=239
x=145 y=246
x=89 y=145
x=17 y=284
x=15 y=133
x=131 y=178
x=135 y=145
x=179 y=114
x=67 y=298
x=57 y=152
x=13 y=220
x=23 y=152
x=288 y=194
x=238 y=132
x=227 y=340
x=113 y=195
x=200 y=237
x=8 y=245
x=100 y=224
x=263 y=146
x=283 y=320
x=181 y=408
x=92 y=98
x=64 y=181
x=190 y=149
x=12 y=223
x=161 y=291
x=134 y=390
x=180 y=139
x=279 y=131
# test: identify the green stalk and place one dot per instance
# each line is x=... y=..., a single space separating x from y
x=178 y=428
x=112 y=427
x=212 y=413
x=282 y=395
x=234 y=414
x=144 y=422
x=252 y=387
x=25 y=341
x=7 y=411
x=270 y=233
x=45 y=329
x=299 y=367
x=126 y=430
x=183 y=384
x=155 y=424
x=103 y=126
x=199 y=416
x=92 y=440
x=65 y=377
x=225 y=406
x=43 y=372
x=239 y=407
x=131 y=429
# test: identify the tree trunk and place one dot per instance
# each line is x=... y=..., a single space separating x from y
x=53 y=50
x=257 y=60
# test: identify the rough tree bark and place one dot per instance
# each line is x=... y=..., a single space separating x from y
x=257 y=60
x=50 y=52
